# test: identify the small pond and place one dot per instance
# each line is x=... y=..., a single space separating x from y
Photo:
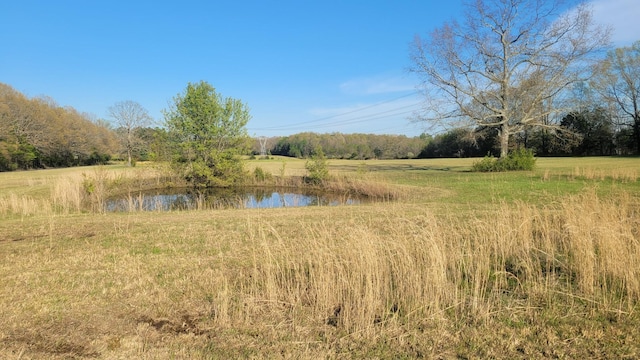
x=245 y=198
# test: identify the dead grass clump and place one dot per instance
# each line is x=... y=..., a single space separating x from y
x=22 y=205
x=373 y=189
x=351 y=277
x=385 y=268
x=67 y=194
x=622 y=174
x=601 y=240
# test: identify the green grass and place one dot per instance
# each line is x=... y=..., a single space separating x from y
x=553 y=177
x=535 y=264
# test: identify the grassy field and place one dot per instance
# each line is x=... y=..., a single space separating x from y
x=542 y=264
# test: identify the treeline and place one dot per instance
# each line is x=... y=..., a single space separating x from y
x=37 y=133
x=346 y=146
x=590 y=132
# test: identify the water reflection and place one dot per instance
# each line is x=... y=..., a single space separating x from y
x=183 y=199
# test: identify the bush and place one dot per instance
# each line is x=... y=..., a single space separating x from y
x=221 y=169
x=520 y=159
x=487 y=164
x=318 y=168
x=260 y=175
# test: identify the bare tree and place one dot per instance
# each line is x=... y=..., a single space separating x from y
x=129 y=115
x=617 y=78
x=507 y=65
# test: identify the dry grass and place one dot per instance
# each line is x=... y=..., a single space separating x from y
x=387 y=280
x=76 y=190
x=619 y=174
x=315 y=282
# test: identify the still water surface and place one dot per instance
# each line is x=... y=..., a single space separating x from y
x=246 y=198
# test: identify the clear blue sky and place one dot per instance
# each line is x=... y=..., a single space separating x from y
x=318 y=66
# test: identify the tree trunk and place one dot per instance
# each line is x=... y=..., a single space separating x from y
x=129 y=145
x=636 y=132
x=129 y=157
x=504 y=140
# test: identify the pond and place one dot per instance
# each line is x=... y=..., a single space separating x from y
x=245 y=198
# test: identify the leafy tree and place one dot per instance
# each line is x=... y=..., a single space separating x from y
x=209 y=134
x=625 y=141
x=129 y=116
x=618 y=79
x=547 y=142
x=453 y=143
x=154 y=145
x=506 y=65
x=460 y=142
x=594 y=132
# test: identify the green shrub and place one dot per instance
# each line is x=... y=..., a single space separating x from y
x=520 y=159
x=261 y=175
x=487 y=164
x=318 y=168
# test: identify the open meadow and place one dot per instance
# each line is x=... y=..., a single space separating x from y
x=541 y=264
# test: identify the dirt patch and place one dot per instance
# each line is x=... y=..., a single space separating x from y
x=186 y=324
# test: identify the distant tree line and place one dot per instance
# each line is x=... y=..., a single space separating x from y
x=37 y=133
x=346 y=146
x=589 y=132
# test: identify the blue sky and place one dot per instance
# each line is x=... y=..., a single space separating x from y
x=319 y=66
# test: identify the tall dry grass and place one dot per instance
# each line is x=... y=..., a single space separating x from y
x=368 y=186
x=23 y=205
x=187 y=284
x=623 y=174
x=387 y=267
x=85 y=191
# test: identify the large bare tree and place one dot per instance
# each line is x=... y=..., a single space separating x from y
x=129 y=115
x=618 y=79
x=506 y=65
